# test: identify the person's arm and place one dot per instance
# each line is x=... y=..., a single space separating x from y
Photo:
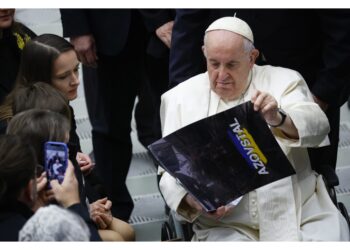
x=79 y=209
x=306 y=124
x=160 y=22
x=67 y=195
x=332 y=86
x=76 y=26
x=154 y=18
x=267 y=105
x=75 y=22
x=186 y=57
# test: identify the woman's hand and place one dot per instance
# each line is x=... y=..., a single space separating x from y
x=100 y=213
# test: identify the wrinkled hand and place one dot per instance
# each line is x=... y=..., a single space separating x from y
x=86 y=49
x=100 y=213
x=193 y=203
x=85 y=163
x=164 y=33
x=67 y=193
x=267 y=105
x=323 y=105
x=216 y=215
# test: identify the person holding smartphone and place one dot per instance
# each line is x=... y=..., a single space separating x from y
x=22 y=193
x=41 y=126
x=37 y=127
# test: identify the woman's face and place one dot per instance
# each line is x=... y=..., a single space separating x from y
x=65 y=75
x=6 y=18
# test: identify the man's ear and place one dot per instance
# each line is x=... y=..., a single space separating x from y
x=253 y=56
x=204 y=51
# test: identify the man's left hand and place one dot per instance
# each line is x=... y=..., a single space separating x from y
x=267 y=105
x=164 y=33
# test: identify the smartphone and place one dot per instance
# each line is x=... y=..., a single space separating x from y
x=56 y=160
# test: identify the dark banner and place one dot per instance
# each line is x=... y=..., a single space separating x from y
x=224 y=156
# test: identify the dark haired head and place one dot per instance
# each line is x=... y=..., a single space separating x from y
x=40 y=96
x=17 y=167
x=39 y=126
x=38 y=57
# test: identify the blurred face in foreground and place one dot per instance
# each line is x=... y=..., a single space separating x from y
x=6 y=18
x=228 y=63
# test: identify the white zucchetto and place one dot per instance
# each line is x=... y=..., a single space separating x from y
x=232 y=24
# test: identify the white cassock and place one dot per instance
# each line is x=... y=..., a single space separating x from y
x=294 y=208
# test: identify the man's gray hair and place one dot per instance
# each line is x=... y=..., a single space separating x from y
x=248 y=46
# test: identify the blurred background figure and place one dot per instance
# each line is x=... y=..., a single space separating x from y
x=13 y=37
x=113 y=42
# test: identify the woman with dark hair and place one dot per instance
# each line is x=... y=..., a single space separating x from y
x=50 y=59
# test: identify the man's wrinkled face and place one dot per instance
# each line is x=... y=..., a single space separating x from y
x=228 y=64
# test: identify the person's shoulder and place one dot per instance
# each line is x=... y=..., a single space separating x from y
x=23 y=30
x=277 y=73
x=10 y=224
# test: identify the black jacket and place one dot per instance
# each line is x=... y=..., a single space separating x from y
x=10 y=56
x=12 y=220
x=153 y=19
x=110 y=27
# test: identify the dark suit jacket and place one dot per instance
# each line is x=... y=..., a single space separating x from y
x=12 y=220
x=110 y=27
x=316 y=43
x=153 y=19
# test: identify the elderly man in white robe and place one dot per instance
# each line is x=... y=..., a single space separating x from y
x=296 y=208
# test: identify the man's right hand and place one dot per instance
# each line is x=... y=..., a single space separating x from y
x=216 y=215
x=86 y=49
x=193 y=203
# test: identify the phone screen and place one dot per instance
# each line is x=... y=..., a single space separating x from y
x=56 y=160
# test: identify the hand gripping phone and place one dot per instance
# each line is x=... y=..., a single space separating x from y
x=56 y=160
